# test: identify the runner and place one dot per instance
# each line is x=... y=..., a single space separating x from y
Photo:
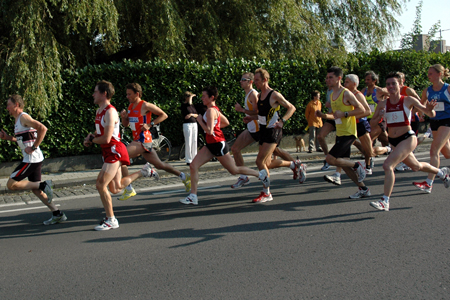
x=439 y=124
x=29 y=134
x=271 y=129
x=397 y=111
x=251 y=135
x=139 y=118
x=113 y=151
x=328 y=126
x=212 y=122
x=345 y=107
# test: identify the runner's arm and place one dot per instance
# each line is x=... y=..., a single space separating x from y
x=5 y=136
x=427 y=109
x=148 y=107
x=28 y=121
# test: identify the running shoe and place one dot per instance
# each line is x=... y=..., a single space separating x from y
x=240 y=182
x=107 y=224
x=190 y=199
x=297 y=164
x=400 y=167
x=446 y=177
x=360 y=194
x=48 y=190
x=368 y=171
x=56 y=219
x=334 y=179
x=263 y=197
x=326 y=166
x=380 y=205
x=148 y=171
x=423 y=186
x=361 y=172
x=302 y=173
x=187 y=182
x=127 y=194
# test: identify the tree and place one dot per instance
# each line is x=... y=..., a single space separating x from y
x=409 y=39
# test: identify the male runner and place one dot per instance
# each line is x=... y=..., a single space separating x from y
x=139 y=118
x=251 y=135
x=345 y=107
x=328 y=126
x=271 y=127
x=114 y=153
x=29 y=134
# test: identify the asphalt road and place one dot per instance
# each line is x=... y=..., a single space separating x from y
x=311 y=242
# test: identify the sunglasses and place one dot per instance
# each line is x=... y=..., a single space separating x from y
x=245 y=79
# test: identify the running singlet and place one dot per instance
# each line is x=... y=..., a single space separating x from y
x=252 y=126
x=137 y=120
x=372 y=100
x=267 y=115
x=217 y=135
x=360 y=119
x=442 y=97
x=397 y=115
x=344 y=126
x=100 y=127
x=26 y=136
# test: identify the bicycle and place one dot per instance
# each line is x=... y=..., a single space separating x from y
x=230 y=137
x=160 y=144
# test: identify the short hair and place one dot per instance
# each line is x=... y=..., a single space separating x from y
x=211 y=91
x=250 y=75
x=106 y=86
x=402 y=75
x=353 y=77
x=135 y=87
x=372 y=75
x=336 y=71
x=395 y=75
x=440 y=69
x=314 y=94
x=263 y=73
x=16 y=99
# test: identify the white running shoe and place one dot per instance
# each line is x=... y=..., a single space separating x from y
x=190 y=199
x=107 y=224
x=334 y=179
x=56 y=219
x=326 y=166
x=148 y=171
x=361 y=172
x=423 y=186
x=446 y=177
x=48 y=190
x=380 y=205
x=240 y=182
x=263 y=197
x=368 y=171
x=360 y=194
x=302 y=173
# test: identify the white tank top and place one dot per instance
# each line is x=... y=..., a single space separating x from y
x=252 y=126
x=26 y=136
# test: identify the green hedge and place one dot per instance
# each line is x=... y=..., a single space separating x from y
x=163 y=84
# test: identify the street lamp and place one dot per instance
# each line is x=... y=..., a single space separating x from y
x=440 y=38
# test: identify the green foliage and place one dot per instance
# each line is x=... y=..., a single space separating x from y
x=164 y=83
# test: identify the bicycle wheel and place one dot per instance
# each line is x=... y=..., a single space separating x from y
x=163 y=148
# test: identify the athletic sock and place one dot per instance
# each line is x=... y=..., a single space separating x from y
x=56 y=213
x=356 y=166
x=243 y=177
x=429 y=182
x=267 y=191
x=42 y=185
x=385 y=198
x=337 y=174
x=292 y=165
x=129 y=187
x=440 y=173
x=364 y=188
x=182 y=176
x=112 y=219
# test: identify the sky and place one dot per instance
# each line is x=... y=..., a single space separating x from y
x=432 y=11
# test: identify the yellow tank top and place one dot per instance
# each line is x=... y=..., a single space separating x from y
x=344 y=126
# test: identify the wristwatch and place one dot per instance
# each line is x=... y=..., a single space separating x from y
x=346 y=114
x=152 y=123
x=33 y=147
x=91 y=138
x=284 y=121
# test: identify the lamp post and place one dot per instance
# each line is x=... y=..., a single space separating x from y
x=440 y=38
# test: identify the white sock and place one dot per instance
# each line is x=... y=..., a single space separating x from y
x=112 y=219
x=244 y=177
x=440 y=173
x=129 y=187
x=182 y=176
x=292 y=166
x=193 y=196
x=429 y=182
x=385 y=199
x=262 y=174
x=267 y=191
x=337 y=174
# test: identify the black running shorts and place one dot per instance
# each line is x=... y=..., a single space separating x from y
x=270 y=136
x=218 y=149
x=342 y=148
x=30 y=170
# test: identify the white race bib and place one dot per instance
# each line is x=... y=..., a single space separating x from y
x=338 y=121
x=372 y=107
x=97 y=128
x=262 y=120
x=394 y=117
x=440 y=106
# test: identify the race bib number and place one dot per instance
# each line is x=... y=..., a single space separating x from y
x=97 y=129
x=394 y=117
x=440 y=106
x=372 y=107
x=338 y=121
x=262 y=120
